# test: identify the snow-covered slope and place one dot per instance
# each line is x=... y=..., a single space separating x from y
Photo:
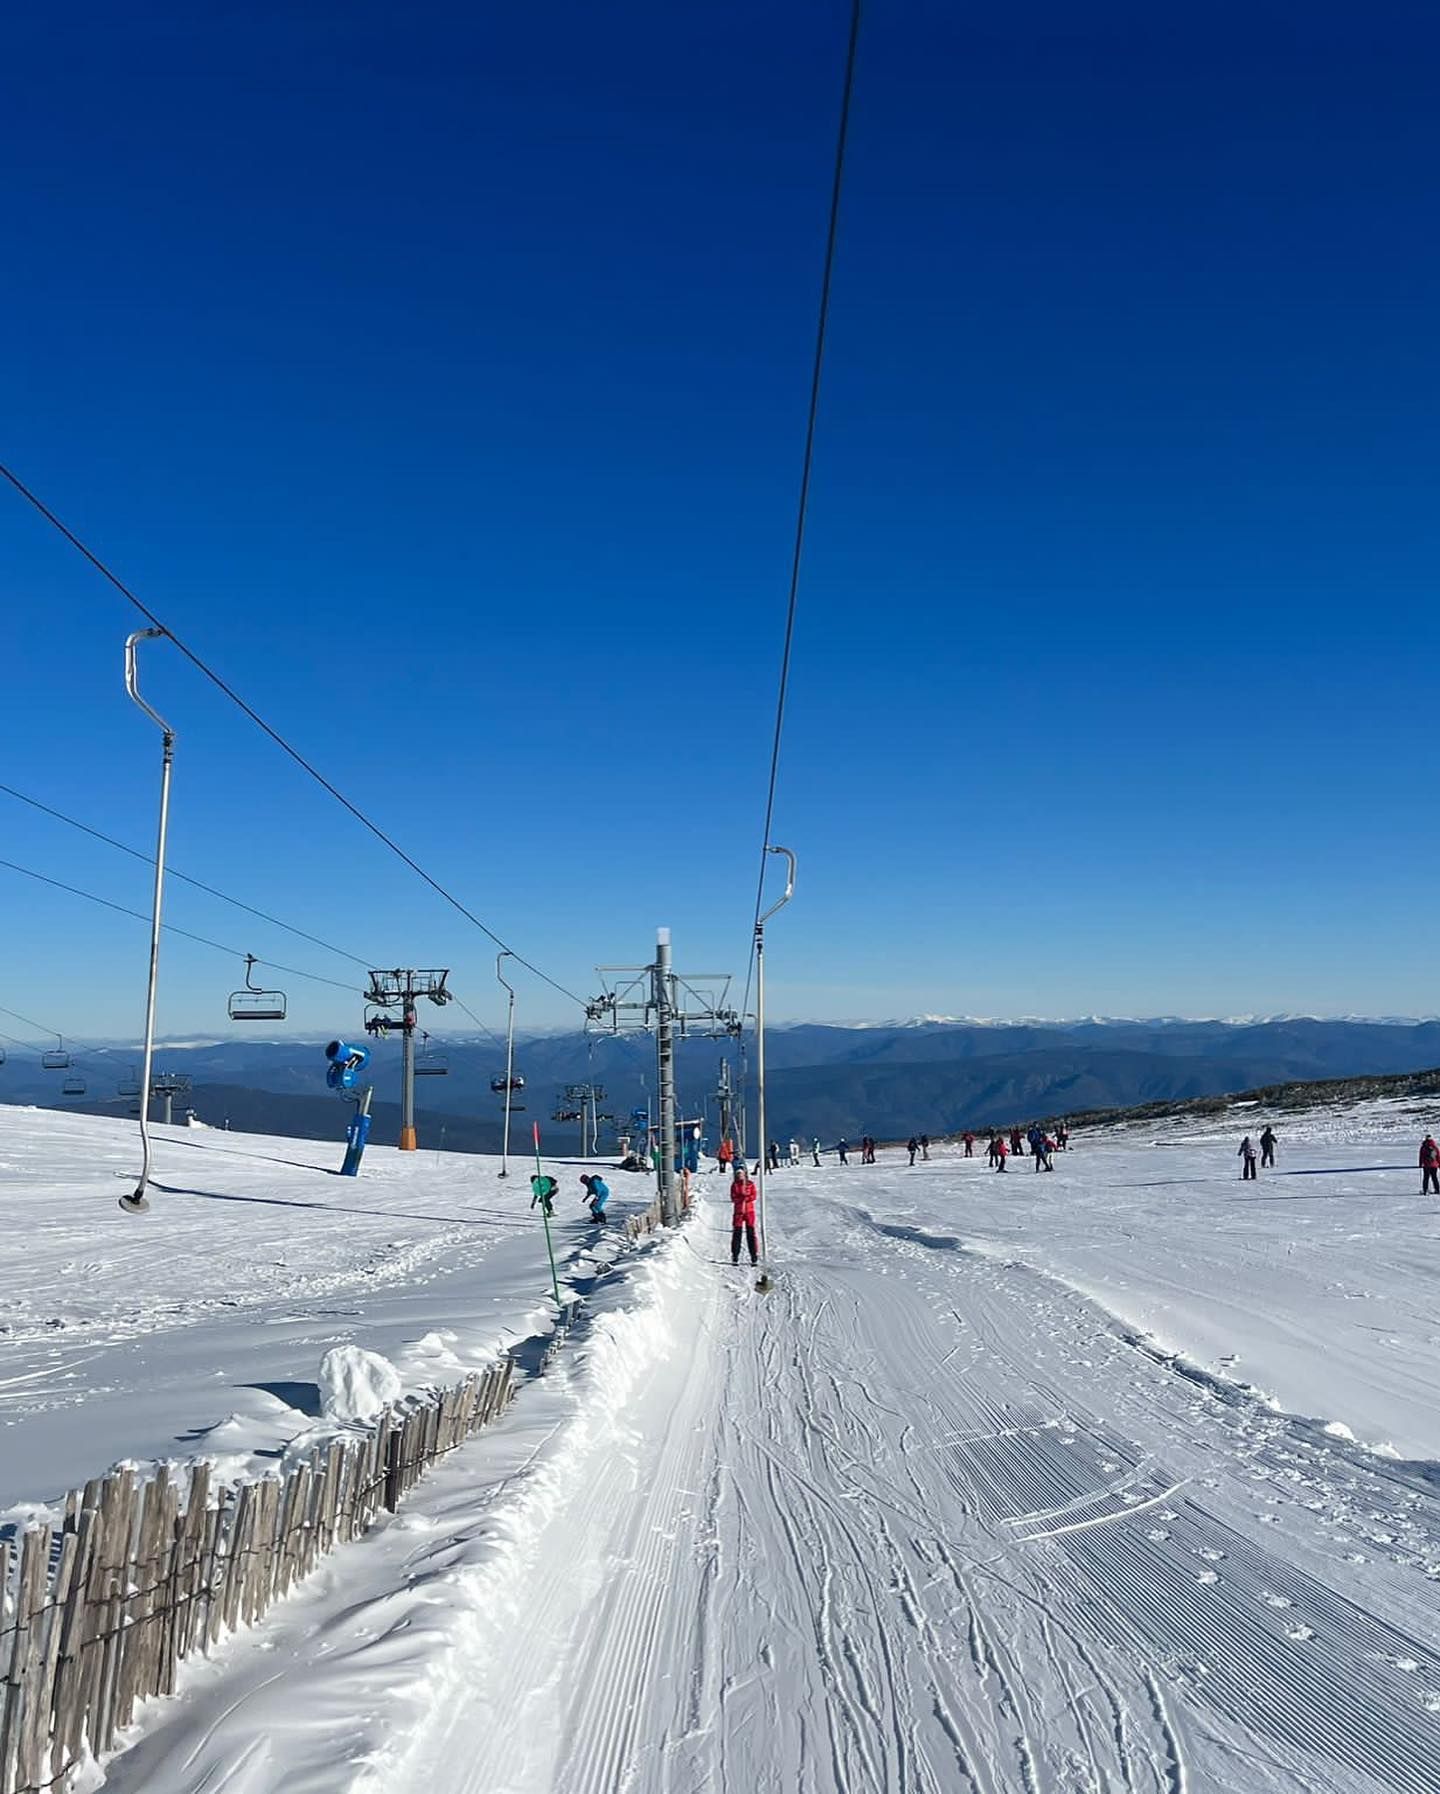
x=201 y=1327
x=937 y=1514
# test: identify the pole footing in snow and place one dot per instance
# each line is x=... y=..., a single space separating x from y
x=136 y=1204
x=765 y=1283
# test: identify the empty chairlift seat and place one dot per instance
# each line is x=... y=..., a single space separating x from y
x=428 y=1063
x=56 y=1059
x=253 y=1004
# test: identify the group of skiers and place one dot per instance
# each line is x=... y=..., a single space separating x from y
x=1042 y=1147
x=867 y=1150
x=1247 y=1154
x=774 y=1158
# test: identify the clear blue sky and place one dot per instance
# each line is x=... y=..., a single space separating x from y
x=440 y=373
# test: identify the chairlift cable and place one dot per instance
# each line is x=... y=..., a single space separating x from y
x=476 y=1019
x=149 y=860
x=807 y=465
x=171 y=928
x=300 y=760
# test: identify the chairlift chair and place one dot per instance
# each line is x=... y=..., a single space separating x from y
x=501 y=1085
x=128 y=1087
x=74 y=1085
x=428 y=1063
x=56 y=1059
x=253 y=1004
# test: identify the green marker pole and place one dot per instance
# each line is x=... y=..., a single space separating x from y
x=543 y=1191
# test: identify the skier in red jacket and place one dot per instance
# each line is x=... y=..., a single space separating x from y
x=1429 y=1166
x=742 y=1216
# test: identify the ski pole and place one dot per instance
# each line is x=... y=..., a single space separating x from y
x=543 y=1190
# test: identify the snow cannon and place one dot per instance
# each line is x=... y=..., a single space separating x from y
x=346 y=1064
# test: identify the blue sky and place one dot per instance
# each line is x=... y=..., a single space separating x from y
x=441 y=377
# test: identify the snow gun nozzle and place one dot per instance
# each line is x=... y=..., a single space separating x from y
x=765 y=1283
x=135 y=1205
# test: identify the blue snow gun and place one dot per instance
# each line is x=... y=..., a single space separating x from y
x=346 y=1064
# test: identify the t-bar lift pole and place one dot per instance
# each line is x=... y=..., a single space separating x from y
x=509 y=1061
x=138 y=1202
x=763 y=1281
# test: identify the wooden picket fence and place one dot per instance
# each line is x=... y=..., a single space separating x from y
x=636 y=1227
x=96 y=1614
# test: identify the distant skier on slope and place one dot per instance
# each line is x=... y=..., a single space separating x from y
x=725 y=1154
x=1267 y=1146
x=1247 y=1154
x=842 y=1146
x=742 y=1216
x=815 y=1150
x=1017 y=1144
x=912 y=1146
x=794 y=1151
x=1002 y=1152
x=1429 y=1166
x=969 y=1145
x=924 y=1146
x=1062 y=1137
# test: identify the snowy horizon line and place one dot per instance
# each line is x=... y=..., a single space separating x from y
x=184 y=1042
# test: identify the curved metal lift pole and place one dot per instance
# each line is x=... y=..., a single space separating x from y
x=138 y=1203
x=763 y=1143
x=509 y=1063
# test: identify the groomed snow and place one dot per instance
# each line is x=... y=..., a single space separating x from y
x=1013 y=1485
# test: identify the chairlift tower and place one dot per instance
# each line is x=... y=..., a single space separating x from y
x=585 y=1099
x=402 y=990
x=724 y=1098
x=673 y=1006
x=169 y=1085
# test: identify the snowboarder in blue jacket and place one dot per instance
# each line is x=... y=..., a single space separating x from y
x=598 y=1195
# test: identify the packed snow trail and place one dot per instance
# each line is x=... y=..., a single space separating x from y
x=928 y=1517
x=921 y=1521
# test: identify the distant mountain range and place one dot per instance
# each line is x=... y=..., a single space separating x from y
x=925 y=1075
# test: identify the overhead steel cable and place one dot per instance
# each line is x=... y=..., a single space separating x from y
x=265 y=728
x=184 y=878
x=807 y=465
x=30 y=1022
x=171 y=928
x=76 y=1061
x=484 y=1028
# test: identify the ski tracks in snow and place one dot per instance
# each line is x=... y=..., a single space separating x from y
x=922 y=1521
